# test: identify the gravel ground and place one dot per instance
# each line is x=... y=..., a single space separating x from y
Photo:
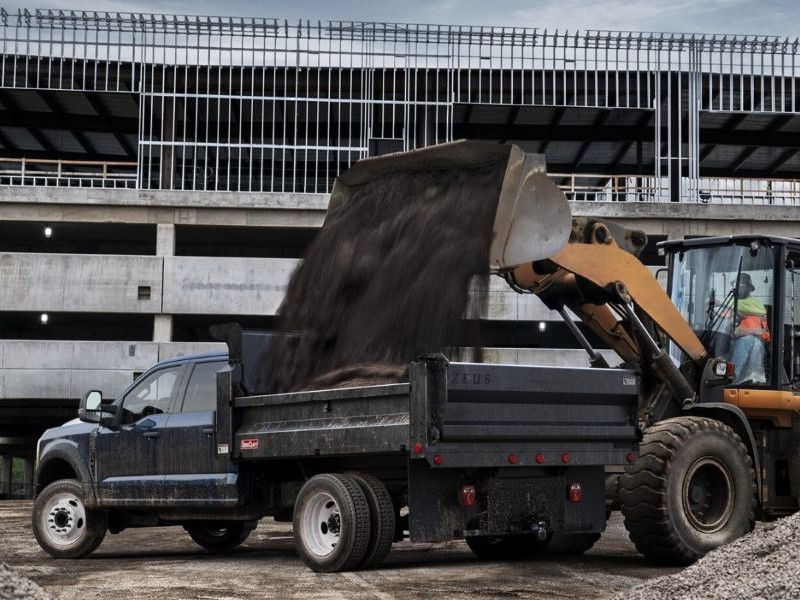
x=15 y=587
x=764 y=565
x=163 y=563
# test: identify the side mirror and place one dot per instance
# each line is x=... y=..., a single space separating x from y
x=89 y=408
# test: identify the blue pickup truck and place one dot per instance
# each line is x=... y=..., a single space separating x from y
x=507 y=457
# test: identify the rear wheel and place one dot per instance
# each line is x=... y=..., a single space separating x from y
x=691 y=490
x=382 y=521
x=331 y=523
x=219 y=536
x=62 y=524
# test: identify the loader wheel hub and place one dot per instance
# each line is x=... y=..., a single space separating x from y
x=708 y=495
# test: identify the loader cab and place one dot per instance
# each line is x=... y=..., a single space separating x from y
x=741 y=296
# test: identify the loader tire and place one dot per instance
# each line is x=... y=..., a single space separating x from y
x=331 y=523
x=691 y=490
x=382 y=521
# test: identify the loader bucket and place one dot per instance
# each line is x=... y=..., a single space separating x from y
x=532 y=220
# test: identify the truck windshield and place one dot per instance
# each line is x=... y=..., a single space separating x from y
x=733 y=323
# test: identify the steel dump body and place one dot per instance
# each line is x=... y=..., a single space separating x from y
x=521 y=435
x=468 y=414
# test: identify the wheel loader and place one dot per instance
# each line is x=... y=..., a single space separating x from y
x=717 y=354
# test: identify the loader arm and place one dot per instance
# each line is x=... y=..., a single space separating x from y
x=614 y=294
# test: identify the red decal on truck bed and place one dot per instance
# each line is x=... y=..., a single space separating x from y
x=251 y=444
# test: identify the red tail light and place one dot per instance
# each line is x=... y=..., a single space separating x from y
x=574 y=492
x=466 y=496
x=565 y=458
x=512 y=458
x=417 y=448
x=539 y=458
x=630 y=457
x=730 y=370
x=437 y=459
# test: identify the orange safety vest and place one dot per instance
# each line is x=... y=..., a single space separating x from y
x=751 y=322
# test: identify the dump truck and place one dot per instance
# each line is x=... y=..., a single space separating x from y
x=511 y=458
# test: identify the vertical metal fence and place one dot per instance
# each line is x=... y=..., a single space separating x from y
x=252 y=104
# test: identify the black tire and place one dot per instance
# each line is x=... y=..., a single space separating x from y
x=692 y=489
x=62 y=525
x=507 y=547
x=571 y=544
x=382 y=521
x=219 y=536
x=347 y=520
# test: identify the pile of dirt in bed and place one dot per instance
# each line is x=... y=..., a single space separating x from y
x=763 y=565
x=387 y=278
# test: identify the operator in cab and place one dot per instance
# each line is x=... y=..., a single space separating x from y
x=750 y=334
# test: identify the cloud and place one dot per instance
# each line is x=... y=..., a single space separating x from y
x=775 y=17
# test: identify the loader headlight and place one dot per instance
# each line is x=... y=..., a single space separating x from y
x=721 y=369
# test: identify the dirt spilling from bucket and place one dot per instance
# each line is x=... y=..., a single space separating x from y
x=760 y=566
x=387 y=277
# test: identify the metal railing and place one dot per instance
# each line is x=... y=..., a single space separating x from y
x=68 y=173
x=588 y=187
x=259 y=104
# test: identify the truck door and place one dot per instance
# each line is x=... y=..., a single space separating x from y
x=127 y=457
x=193 y=469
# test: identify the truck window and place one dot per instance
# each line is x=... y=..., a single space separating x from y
x=201 y=393
x=151 y=395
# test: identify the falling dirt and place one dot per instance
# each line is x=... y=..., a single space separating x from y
x=388 y=276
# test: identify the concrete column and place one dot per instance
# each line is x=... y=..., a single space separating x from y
x=162 y=328
x=27 y=478
x=165 y=239
x=165 y=246
x=5 y=477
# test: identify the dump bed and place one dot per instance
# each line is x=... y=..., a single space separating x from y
x=452 y=414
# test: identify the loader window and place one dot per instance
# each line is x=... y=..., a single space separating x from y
x=732 y=322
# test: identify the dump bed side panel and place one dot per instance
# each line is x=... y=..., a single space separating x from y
x=516 y=403
x=359 y=420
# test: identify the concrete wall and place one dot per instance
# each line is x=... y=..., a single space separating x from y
x=225 y=286
x=68 y=369
x=40 y=370
x=182 y=285
x=79 y=282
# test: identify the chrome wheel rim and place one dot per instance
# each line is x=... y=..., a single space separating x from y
x=63 y=519
x=708 y=495
x=321 y=524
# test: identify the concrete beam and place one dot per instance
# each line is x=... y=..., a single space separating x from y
x=308 y=210
x=225 y=286
x=79 y=283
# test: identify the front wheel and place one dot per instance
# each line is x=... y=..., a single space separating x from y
x=691 y=490
x=62 y=524
x=219 y=536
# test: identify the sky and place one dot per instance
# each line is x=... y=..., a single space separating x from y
x=769 y=17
